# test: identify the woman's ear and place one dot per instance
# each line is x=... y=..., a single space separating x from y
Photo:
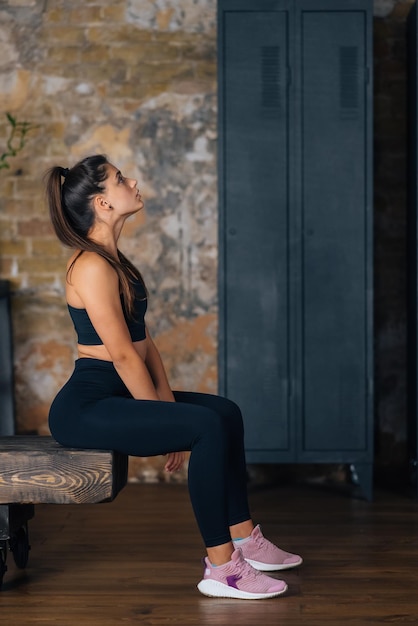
x=100 y=204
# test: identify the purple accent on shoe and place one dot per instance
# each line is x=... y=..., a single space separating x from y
x=237 y=579
x=232 y=580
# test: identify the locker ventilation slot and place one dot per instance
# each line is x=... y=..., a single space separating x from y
x=349 y=87
x=270 y=80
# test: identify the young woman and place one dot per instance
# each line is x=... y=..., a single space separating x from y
x=119 y=398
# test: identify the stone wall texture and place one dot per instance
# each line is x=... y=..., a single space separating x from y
x=136 y=79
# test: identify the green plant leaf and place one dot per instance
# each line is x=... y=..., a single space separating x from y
x=11 y=119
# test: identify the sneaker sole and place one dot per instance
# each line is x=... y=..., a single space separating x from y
x=270 y=567
x=215 y=589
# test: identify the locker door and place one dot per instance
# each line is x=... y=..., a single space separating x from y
x=254 y=224
x=335 y=250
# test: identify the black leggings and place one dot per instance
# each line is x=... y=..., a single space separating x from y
x=94 y=409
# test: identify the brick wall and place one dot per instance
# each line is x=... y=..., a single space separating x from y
x=138 y=82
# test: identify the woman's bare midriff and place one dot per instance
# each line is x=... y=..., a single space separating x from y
x=100 y=352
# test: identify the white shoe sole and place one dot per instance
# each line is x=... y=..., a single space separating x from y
x=215 y=589
x=267 y=567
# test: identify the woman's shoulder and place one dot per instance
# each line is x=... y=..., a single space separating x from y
x=89 y=265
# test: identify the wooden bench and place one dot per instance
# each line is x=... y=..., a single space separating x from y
x=36 y=470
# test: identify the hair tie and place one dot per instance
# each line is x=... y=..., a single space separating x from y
x=64 y=171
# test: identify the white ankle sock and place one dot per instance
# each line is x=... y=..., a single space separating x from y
x=241 y=540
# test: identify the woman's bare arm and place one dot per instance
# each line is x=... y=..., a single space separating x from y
x=157 y=371
x=153 y=361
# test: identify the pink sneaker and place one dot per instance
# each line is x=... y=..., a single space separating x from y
x=237 y=579
x=264 y=555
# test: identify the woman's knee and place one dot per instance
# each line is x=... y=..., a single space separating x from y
x=210 y=425
x=227 y=408
x=227 y=411
x=231 y=414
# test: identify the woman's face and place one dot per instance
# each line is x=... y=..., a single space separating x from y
x=122 y=193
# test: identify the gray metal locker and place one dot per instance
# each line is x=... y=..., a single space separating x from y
x=336 y=233
x=296 y=228
x=255 y=225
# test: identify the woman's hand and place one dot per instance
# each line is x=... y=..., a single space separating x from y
x=175 y=461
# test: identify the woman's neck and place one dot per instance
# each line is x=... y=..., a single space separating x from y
x=106 y=237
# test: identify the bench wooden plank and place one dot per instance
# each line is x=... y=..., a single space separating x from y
x=35 y=469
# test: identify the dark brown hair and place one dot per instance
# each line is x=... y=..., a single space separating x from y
x=72 y=216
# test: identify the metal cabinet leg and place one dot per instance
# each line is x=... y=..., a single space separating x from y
x=14 y=534
x=362 y=475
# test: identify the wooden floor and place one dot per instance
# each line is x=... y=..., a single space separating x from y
x=137 y=561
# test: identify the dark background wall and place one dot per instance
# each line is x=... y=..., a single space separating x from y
x=390 y=162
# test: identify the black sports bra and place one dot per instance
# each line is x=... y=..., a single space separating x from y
x=86 y=332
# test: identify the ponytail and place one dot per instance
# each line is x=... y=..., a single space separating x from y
x=72 y=216
x=67 y=230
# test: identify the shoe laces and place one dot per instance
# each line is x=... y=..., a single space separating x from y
x=247 y=571
x=261 y=542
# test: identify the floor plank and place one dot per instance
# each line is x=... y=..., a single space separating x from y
x=137 y=560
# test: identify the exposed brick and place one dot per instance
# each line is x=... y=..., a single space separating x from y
x=66 y=55
x=54 y=148
x=95 y=54
x=42 y=282
x=122 y=35
x=85 y=14
x=48 y=248
x=113 y=13
x=6 y=266
x=149 y=73
x=39 y=265
x=402 y=10
x=7 y=227
x=25 y=184
x=109 y=71
x=138 y=90
x=35 y=227
x=55 y=15
x=14 y=208
x=128 y=54
x=205 y=71
x=54 y=129
x=197 y=49
x=143 y=93
x=13 y=248
x=8 y=184
x=63 y=35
